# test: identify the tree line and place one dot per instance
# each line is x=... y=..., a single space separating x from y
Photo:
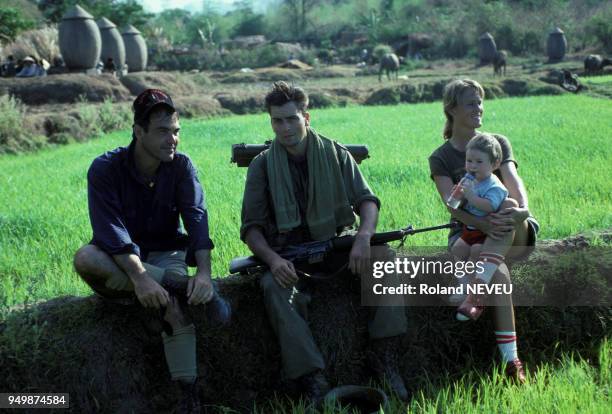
x=519 y=26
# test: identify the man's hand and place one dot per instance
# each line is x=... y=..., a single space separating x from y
x=149 y=293
x=283 y=272
x=199 y=289
x=359 y=258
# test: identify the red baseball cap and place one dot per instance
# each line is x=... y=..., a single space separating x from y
x=149 y=99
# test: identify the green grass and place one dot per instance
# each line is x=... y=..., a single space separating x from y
x=598 y=79
x=561 y=144
x=570 y=385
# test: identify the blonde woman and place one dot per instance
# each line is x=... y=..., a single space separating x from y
x=511 y=231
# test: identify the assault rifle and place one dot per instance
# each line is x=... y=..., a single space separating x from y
x=243 y=154
x=316 y=252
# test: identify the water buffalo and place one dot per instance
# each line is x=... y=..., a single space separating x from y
x=499 y=62
x=595 y=64
x=389 y=63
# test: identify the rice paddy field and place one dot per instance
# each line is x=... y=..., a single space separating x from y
x=561 y=144
x=606 y=79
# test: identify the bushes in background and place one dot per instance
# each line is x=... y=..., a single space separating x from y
x=40 y=43
x=211 y=59
x=13 y=136
x=20 y=134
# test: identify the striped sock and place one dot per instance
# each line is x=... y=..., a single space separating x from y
x=506 y=342
x=490 y=263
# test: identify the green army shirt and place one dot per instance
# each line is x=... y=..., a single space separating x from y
x=258 y=208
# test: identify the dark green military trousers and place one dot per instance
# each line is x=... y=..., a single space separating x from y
x=299 y=352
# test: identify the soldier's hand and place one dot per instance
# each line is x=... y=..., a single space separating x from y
x=284 y=272
x=150 y=294
x=199 y=289
x=359 y=258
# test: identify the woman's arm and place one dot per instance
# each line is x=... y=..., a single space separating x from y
x=514 y=184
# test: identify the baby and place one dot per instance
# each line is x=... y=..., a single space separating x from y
x=483 y=195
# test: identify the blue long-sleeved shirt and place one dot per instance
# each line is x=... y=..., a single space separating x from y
x=130 y=214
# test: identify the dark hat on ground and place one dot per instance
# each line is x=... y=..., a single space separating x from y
x=364 y=400
x=149 y=99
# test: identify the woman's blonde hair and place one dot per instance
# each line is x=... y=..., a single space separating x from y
x=452 y=91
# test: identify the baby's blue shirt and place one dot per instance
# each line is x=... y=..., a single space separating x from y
x=490 y=189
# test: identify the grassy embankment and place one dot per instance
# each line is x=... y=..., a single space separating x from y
x=561 y=144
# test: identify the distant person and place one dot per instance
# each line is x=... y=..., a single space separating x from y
x=41 y=70
x=305 y=188
x=8 y=68
x=364 y=56
x=136 y=196
x=511 y=227
x=44 y=63
x=110 y=67
x=30 y=68
x=57 y=67
x=99 y=68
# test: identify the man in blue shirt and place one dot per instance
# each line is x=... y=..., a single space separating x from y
x=136 y=195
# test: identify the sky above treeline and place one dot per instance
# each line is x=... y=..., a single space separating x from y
x=196 y=6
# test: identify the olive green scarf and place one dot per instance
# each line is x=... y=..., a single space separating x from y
x=328 y=205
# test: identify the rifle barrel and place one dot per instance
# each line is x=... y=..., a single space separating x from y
x=343 y=243
x=346 y=242
x=442 y=226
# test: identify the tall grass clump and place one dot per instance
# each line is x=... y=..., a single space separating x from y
x=91 y=121
x=88 y=117
x=40 y=43
x=112 y=116
x=569 y=385
x=381 y=50
x=599 y=28
x=13 y=136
